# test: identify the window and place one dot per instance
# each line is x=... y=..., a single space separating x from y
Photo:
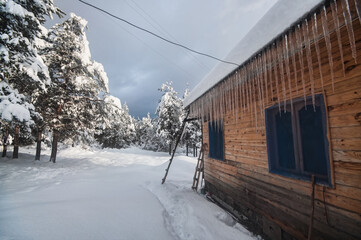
x=297 y=141
x=216 y=145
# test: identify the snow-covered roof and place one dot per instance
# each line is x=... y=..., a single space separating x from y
x=278 y=19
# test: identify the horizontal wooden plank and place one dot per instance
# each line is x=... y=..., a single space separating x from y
x=347 y=156
x=345 y=120
x=346 y=144
x=290 y=203
x=346 y=132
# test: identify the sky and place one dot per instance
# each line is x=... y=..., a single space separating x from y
x=137 y=63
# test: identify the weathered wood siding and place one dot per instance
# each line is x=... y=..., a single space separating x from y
x=281 y=206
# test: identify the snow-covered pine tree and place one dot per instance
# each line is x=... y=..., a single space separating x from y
x=146 y=133
x=169 y=112
x=15 y=113
x=21 y=66
x=73 y=100
x=117 y=128
x=20 y=30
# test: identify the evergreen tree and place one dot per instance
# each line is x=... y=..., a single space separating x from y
x=117 y=128
x=16 y=115
x=169 y=112
x=147 y=136
x=73 y=101
x=20 y=28
x=23 y=69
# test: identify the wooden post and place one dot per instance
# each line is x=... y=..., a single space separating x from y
x=16 y=142
x=312 y=208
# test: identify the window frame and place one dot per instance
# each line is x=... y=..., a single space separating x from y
x=272 y=141
x=213 y=125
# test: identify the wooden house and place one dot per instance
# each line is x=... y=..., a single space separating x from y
x=283 y=125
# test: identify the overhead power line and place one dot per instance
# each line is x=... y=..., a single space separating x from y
x=156 y=35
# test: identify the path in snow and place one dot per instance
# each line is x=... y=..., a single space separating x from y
x=107 y=194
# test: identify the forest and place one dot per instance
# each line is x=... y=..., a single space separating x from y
x=52 y=91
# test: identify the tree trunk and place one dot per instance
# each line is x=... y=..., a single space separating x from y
x=38 y=145
x=170 y=148
x=54 y=144
x=16 y=142
x=5 y=141
x=194 y=151
x=54 y=147
x=187 y=149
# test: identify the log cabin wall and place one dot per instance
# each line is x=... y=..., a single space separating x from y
x=280 y=206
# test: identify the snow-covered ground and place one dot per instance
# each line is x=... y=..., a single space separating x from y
x=107 y=194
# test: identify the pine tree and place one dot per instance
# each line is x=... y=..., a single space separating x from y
x=169 y=112
x=73 y=101
x=16 y=113
x=23 y=69
x=20 y=30
x=117 y=128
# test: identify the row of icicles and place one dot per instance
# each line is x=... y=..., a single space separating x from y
x=248 y=88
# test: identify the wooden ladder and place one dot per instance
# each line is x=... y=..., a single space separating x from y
x=199 y=169
x=176 y=145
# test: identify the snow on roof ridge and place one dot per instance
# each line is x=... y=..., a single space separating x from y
x=259 y=36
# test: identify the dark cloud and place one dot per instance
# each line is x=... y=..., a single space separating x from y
x=137 y=63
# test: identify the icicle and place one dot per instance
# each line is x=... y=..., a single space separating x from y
x=315 y=40
x=280 y=62
x=293 y=58
x=226 y=96
x=338 y=33
x=274 y=52
x=326 y=34
x=288 y=72
x=309 y=61
x=348 y=22
x=358 y=9
x=229 y=95
x=241 y=94
x=260 y=84
x=249 y=83
x=300 y=58
x=235 y=89
x=244 y=89
x=220 y=113
x=248 y=89
x=223 y=95
x=264 y=69
x=253 y=91
x=269 y=63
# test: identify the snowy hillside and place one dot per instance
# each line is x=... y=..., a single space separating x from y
x=107 y=194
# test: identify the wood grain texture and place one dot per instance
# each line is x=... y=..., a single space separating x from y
x=243 y=180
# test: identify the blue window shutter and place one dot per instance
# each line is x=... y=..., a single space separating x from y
x=216 y=142
x=312 y=138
